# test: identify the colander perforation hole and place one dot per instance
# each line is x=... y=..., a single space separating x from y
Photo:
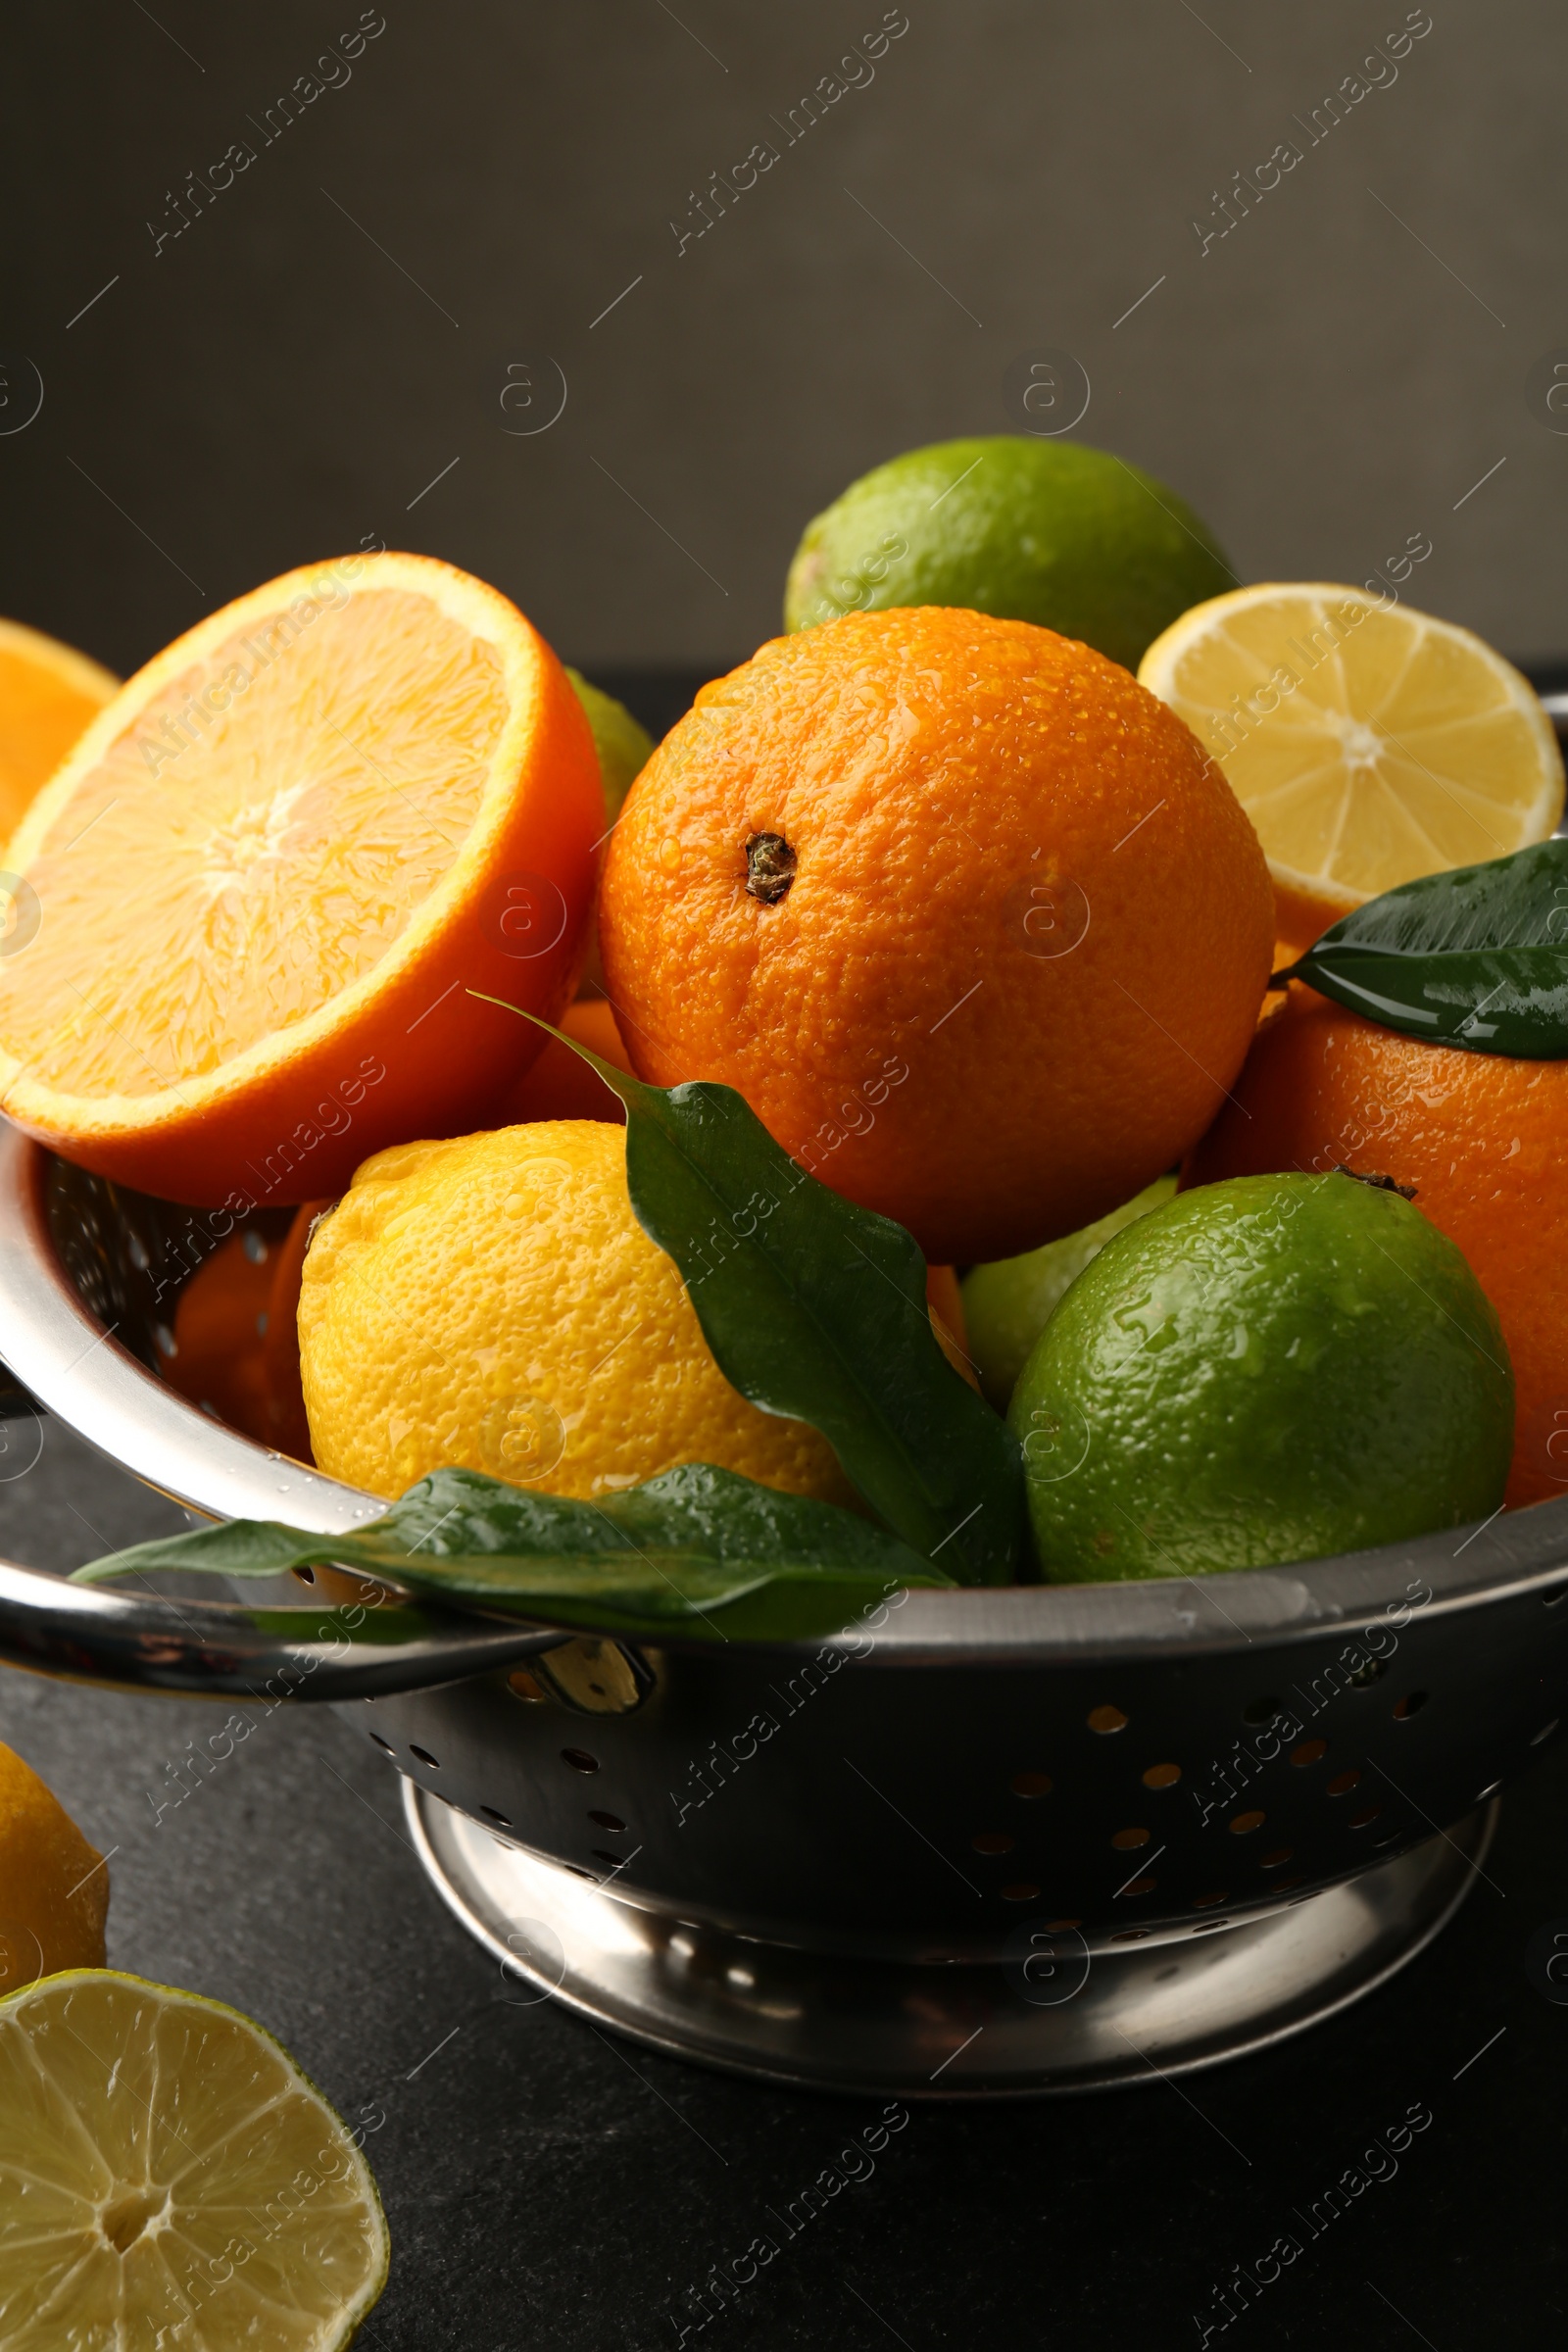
x=383 y=1743
x=1278 y=1858
x=1539 y=1738
x=1106 y=1720
x=1365 y=1819
x=527 y=1686
x=992 y=1841
x=499 y=1818
x=1209 y=1902
x=1342 y=1783
x=1032 y=1784
x=1020 y=1890
x=613 y=1861
x=579 y=1759
x=1137 y=1886
x=607 y=1820
x=1133 y=1936
x=1310 y=1751
x=1125 y=1840
x=1161 y=1776
x=1410 y=1704
x=424 y=1756
x=1244 y=1824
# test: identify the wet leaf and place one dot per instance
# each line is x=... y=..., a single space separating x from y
x=1477 y=957
x=697 y=1553
x=816 y=1309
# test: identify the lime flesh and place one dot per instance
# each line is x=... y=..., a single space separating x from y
x=1049 y=531
x=1007 y=1303
x=168 y=2178
x=1270 y=1369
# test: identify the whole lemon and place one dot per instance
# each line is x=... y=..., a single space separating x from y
x=493 y=1304
x=54 y=1887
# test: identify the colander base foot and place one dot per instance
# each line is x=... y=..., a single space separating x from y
x=961 y=2030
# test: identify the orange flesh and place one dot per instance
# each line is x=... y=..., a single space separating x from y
x=243 y=858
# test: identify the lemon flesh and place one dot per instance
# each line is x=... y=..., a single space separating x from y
x=169 y=2179
x=1369 y=744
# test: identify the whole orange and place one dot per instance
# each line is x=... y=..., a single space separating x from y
x=970 y=919
x=1481 y=1137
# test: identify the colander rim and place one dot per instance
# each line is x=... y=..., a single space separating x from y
x=78 y=1369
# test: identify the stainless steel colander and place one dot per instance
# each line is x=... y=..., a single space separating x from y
x=982 y=1843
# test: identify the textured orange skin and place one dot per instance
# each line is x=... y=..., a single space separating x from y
x=1484 y=1140
x=931 y=768
x=443 y=1057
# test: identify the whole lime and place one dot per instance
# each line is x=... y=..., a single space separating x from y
x=1049 y=531
x=1007 y=1303
x=1264 y=1370
x=624 y=745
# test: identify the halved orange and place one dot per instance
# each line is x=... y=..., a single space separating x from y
x=48 y=692
x=247 y=913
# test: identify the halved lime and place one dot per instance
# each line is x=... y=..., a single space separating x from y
x=170 y=2182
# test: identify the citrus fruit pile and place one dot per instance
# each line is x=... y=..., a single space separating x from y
x=589 y=1136
x=606 y=1082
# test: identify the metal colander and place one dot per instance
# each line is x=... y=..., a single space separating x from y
x=982 y=1841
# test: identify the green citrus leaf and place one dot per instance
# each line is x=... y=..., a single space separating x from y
x=697 y=1553
x=816 y=1310
x=1476 y=957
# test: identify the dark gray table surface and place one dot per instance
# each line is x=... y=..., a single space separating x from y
x=552 y=2189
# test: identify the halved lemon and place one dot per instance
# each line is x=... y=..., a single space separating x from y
x=48 y=692
x=1369 y=744
x=241 y=917
x=169 y=2177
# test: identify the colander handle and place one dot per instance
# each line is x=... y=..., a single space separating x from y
x=360 y=1639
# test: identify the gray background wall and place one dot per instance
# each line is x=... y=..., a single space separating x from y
x=332 y=332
